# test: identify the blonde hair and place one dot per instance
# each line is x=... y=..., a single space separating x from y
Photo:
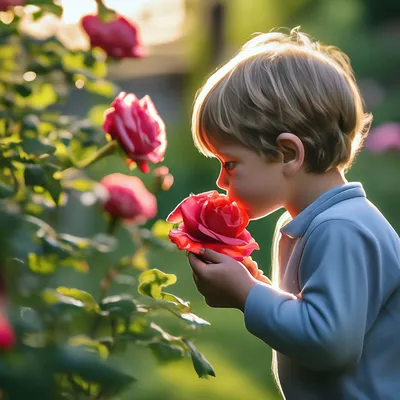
x=278 y=83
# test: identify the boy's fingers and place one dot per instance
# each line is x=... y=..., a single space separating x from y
x=263 y=278
x=213 y=256
x=196 y=264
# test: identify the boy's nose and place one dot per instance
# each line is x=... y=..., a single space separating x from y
x=222 y=181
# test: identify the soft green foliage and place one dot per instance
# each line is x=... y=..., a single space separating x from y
x=71 y=340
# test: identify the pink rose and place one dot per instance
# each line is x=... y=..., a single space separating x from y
x=118 y=38
x=384 y=137
x=7 y=335
x=211 y=220
x=136 y=125
x=5 y=4
x=128 y=198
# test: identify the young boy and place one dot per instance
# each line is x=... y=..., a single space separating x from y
x=285 y=118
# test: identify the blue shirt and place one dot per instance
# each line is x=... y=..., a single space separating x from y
x=333 y=313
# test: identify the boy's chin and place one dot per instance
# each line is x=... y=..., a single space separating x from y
x=258 y=214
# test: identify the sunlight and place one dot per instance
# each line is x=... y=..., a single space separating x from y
x=159 y=21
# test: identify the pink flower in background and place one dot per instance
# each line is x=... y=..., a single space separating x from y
x=384 y=137
x=118 y=38
x=211 y=220
x=128 y=198
x=5 y=4
x=138 y=128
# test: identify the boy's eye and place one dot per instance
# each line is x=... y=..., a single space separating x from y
x=229 y=166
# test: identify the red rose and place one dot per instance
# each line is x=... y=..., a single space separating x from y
x=129 y=198
x=138 y=128
x=5 y=4
x=118 y=38
x=211 y=220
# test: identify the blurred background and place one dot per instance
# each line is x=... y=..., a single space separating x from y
x=185 y=40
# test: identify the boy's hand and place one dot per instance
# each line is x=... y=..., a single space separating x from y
x=223 y=281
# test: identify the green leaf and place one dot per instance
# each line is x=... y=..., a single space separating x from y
x=194 y=320
x=86 y=298
x=31 y=122
x=101 y=87
x=42 y=97
x=149 y=238
x=200 y=363
x=160 y=229
x=167 y=352
x=23 y=89
x=152 y=282
x=90 y=344
x=35 y=175
x=53 y=186
x=74 y=263
x=6 y=191
x=96 y=114
x=75 y=241
x=43 y=265
x=60 y=301
x=120 y=306
x=93 y=368
x=184 y=306
x=37 y=147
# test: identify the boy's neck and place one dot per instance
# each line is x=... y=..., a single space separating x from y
x=311 y=186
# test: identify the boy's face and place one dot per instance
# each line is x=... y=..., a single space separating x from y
x=257 y=185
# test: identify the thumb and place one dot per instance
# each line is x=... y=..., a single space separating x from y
x=213 y=256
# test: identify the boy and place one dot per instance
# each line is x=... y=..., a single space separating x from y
x=285 y=118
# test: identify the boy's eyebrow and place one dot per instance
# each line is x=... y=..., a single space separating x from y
x=225 y=154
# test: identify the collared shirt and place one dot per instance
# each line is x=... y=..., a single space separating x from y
x=333 y=313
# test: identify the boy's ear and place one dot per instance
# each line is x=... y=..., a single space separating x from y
x=292 y=150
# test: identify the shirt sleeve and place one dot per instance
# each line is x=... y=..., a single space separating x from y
x=323 y=327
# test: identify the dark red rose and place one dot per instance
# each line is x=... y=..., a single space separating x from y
x=211 y=220
x=118 y=38
x=128 y=198
x=139 y=129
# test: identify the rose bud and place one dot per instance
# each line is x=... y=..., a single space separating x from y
x=164 y=179
x=128 y=198
x=118 y=38
x=138 y=128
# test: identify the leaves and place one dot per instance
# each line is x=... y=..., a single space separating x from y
x=42 y=157
x=86 y=298
x=119 y=306
x=153 y=281
x=200 y=363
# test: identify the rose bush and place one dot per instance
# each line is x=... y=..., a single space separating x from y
x=211 y=220
x=119 y=38
x=128 y=198
x=138 y=128
x=62 y=332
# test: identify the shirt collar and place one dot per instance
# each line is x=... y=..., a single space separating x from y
x=298 y=226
